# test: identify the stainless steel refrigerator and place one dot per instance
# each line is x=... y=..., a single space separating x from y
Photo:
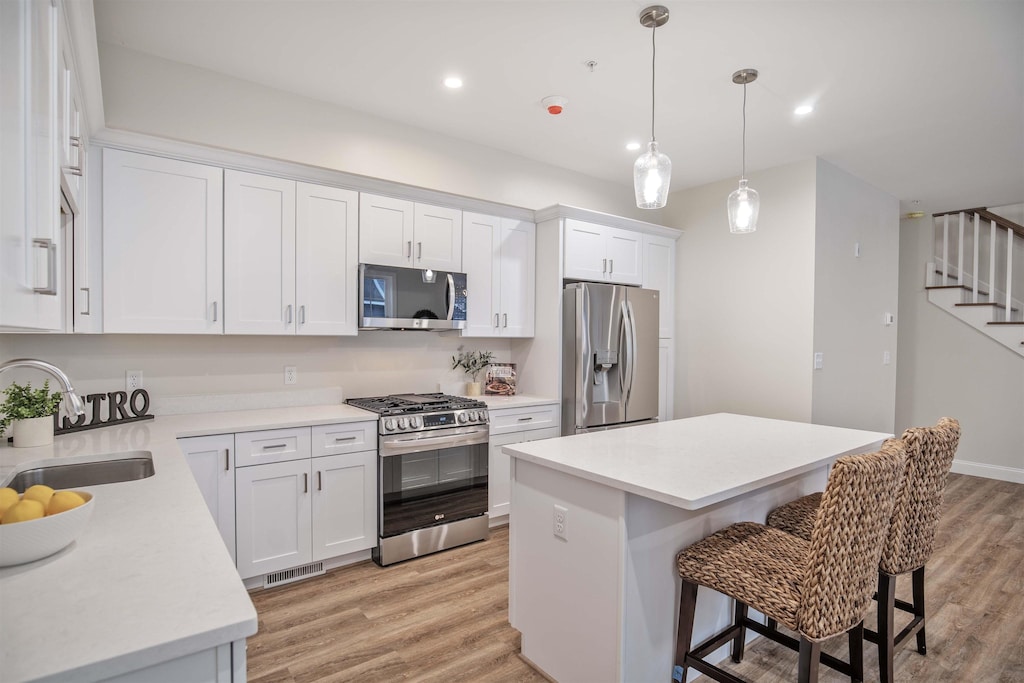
x=609 y=357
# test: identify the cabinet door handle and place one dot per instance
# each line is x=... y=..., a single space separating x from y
x=495 y=319
x=524 y=419
x=319 y=480
x=227 y=460
x=604 y=265
x=305 y=482
x=344 y=438
x=288 y=314
x=408 y=249
x=611 y=266
x=504 y=319
x=88 y=301
x=302 y=314
x=214 y=311
x=75 y=141
x=276 y=445
x=51 y=266
x=419 y=251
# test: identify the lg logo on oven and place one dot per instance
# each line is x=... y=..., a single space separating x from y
x=438 y=517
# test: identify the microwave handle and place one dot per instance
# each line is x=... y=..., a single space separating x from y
x=451 y=296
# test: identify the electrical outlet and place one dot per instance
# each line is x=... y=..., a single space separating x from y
x=132 y=380
x=886 y=358
x=560 y=520
x=291 y=375
x=819 y=361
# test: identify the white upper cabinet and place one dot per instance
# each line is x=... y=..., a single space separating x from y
x=162 y=245
x=289 y=257
x=70 y=124
x=660 y=274
x=326 y=260
x=397 y=232
x=499 y=260
x=601 y=253
x=30 y=225
x=259 y=254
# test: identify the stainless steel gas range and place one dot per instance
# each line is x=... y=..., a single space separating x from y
x=432 y=475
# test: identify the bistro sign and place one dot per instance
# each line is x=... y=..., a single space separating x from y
x=120 y=409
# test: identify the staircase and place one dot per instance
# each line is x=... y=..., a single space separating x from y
x=981 y=291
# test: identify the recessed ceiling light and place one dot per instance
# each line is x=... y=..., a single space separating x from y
x=632 y=146
x=803 y=110
x=453 y=82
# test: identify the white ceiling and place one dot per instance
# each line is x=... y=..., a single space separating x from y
x=922 y=99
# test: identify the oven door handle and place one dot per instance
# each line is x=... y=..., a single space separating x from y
x=402 y=446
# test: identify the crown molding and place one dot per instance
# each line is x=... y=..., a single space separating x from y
x=560 y=211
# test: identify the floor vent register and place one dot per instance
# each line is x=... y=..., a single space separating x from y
x=295 y=574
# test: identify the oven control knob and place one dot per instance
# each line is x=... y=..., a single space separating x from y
x=463 y=418
x=401 y=423
x=472 y=416
x=389 y=425
x=414 y=423
x=483 y=416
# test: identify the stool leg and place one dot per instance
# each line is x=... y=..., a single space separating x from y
x=687 y=606
x=740 y=640
x=918 y=580
x=886 y=625
x=856 y=635
x=810 y=653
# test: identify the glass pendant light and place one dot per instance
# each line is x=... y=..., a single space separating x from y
x=744 y=202
x=652 y=171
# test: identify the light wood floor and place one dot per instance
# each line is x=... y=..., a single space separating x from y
x=445 y=617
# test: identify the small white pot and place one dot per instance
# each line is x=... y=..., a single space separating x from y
x=472 y=388
x=35 y=431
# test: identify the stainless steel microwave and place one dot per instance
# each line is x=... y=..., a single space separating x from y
x=392 y=298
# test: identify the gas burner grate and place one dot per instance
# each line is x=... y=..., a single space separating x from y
x=407 y=404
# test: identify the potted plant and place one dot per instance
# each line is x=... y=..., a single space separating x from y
x=472 y=362
x=30 y=412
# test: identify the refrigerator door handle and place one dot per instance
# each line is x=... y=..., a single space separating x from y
x=630 y=351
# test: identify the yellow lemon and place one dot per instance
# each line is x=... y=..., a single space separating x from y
x=8 y=497
x=62 y=501
x=39 y=492
x=22 y=511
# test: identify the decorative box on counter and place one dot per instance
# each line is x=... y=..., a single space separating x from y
x=500 y=379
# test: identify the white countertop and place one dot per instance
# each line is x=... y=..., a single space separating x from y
x=698 y=461
x=149 y=580
x=499 y=402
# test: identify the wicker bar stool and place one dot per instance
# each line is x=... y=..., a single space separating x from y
x=930 y=452
x=820 y=588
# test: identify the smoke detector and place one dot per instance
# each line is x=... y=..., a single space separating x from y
x=554 y=104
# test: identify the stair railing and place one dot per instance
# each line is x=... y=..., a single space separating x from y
x=995 y=223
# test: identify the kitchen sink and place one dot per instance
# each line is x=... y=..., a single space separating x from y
x=116 y=467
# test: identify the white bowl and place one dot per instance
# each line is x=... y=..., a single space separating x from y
x=35 y=539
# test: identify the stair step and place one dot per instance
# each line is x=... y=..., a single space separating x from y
x=988 y=303
x=1006 y=322
x=963 y=287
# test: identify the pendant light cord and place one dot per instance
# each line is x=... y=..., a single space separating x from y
x=654 y=50
x=743 y=162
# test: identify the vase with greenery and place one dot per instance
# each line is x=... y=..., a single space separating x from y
x=30 y=413
x=472 y=362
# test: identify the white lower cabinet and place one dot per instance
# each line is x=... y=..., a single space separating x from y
x=274 y=516
x=344 y=504
x=300 y=509
x=212 y=460
x=509 y=426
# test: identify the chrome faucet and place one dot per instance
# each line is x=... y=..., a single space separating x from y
x=75 y=404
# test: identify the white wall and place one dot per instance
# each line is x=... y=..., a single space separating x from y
x=851 y=295
x=372 y=364
x=146 y=94
x=948 y=368
x=745 y=303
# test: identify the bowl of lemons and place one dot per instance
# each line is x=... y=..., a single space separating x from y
x=39 y=522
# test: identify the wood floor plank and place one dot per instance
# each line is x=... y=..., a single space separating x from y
x=444 y=617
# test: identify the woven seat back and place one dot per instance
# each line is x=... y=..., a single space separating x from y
x=930 y=452
x=846 y=543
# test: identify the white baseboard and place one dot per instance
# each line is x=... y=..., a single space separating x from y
x=978 y=469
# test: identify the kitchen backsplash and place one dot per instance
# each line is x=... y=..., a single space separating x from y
x=372 y=363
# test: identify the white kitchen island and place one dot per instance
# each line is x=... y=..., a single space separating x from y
x=600 y=604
